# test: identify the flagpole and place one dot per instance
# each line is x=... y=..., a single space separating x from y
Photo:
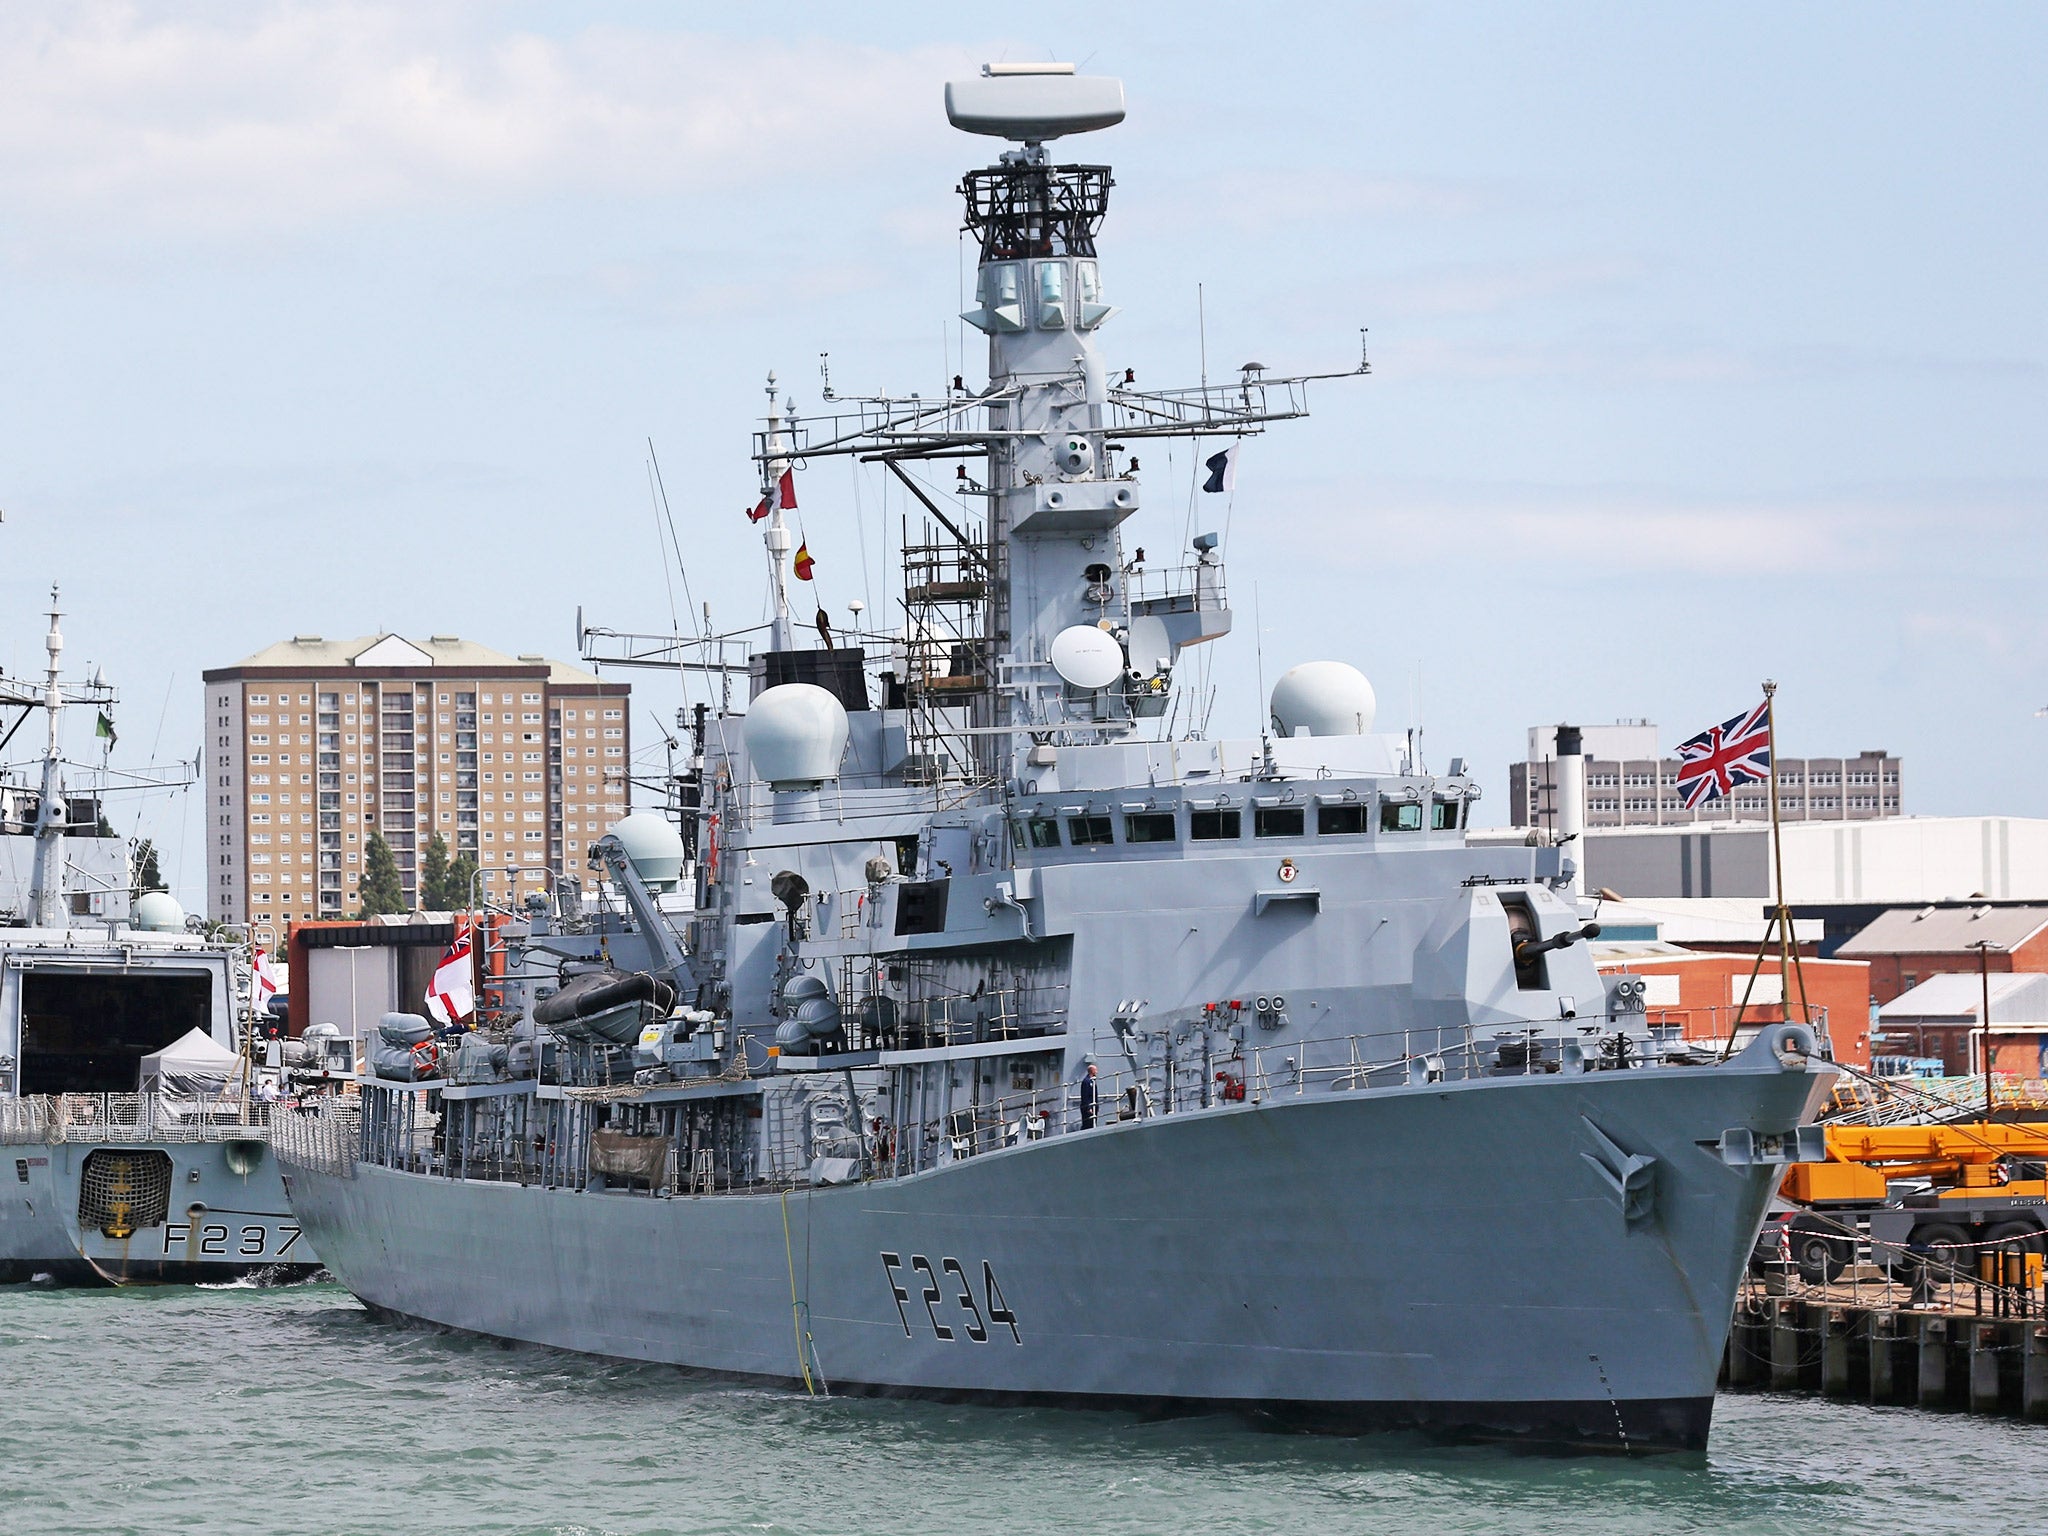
x=1780 y=919
x=1783 y=916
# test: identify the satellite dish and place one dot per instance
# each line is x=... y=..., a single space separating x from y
x=1086 y=657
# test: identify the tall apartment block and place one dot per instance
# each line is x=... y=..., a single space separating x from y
x=1630 y=784
x=314 y=744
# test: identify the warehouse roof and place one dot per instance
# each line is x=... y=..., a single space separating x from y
x=1946 y=930
x=2017 y=997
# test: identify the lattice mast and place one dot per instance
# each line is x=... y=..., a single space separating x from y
x=1064 y=651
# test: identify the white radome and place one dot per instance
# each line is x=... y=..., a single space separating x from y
x=158 y=912
x=796 y=735
x=1086 y=657
x=1323 y=698
x=653 y=847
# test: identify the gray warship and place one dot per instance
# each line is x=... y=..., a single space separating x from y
x=976 y=1029
x=134 y=1142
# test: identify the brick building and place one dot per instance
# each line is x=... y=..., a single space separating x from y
x=312 y=745
x=1905 y=947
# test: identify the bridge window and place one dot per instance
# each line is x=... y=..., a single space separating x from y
x=1149 y=827
x=1084 y=830
x=1279 y=821
x=1216 y=826
x=1347 y=820
x=1444 y=815
x=1400 y=816
x=1038 y=832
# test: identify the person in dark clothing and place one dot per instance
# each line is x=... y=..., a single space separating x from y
x=1088 y=1095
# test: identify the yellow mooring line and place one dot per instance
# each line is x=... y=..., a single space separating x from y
x=796 y=1317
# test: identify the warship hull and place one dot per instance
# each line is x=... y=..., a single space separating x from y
x=1455 y=1258
x=35 y=1242
x=196 y=1211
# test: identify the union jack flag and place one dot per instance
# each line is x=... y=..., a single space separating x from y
x=1734 y=752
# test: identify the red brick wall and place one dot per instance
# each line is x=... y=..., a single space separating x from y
x=1708 y=984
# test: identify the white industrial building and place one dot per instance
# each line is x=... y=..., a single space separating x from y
x=1891 y=861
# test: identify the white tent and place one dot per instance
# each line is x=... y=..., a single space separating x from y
x=193 y=1066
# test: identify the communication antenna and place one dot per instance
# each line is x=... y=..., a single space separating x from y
x=1265 y=714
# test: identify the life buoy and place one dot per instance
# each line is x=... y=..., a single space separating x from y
x=426 y=1058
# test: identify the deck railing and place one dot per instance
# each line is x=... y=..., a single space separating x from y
x=108 y=1117
x=1151 y=1072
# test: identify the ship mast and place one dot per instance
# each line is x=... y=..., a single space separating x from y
x=774 y=465
x=46 y=890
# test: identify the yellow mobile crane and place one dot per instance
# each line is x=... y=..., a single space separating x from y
x=1973 y=1184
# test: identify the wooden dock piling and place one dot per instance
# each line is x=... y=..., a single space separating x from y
x=1888 y=1346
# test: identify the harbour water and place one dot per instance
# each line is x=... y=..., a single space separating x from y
x=288 y=1410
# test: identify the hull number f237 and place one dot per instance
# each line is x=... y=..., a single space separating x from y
x=946 y=1299
x=217 y=1240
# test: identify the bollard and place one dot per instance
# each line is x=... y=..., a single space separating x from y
x=1931 y=1382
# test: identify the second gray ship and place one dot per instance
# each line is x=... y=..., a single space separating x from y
x=978 y=1030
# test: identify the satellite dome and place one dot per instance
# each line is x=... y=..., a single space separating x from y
x=796 y=735
x=158 y=912
x=653 y=847
x=1323 y=698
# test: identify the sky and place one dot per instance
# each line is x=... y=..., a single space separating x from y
x=1708 y=344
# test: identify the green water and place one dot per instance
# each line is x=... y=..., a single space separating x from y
x=289 y=1411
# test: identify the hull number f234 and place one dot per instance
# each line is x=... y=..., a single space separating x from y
x=946 y=1299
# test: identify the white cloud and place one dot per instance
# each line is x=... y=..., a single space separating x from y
x=225 y=120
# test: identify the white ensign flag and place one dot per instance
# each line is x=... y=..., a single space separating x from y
x=452 y=993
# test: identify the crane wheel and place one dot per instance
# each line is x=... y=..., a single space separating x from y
x=1820 y=1251
x=2025 y=1233
x=1945 y=1249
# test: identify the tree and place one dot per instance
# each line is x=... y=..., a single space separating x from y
x=461 y=881
x=145 y=875
x=434 y=895
x=380 y=890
